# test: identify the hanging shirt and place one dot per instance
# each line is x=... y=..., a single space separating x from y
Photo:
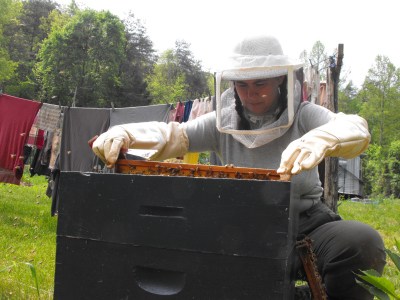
x=188 y=109
x=180 y=109
x=56 y=143
x=48 y=117
x=36 y=136
x=16 y=119
x=197 y=109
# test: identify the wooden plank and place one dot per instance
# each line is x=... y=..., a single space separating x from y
x=332 y=163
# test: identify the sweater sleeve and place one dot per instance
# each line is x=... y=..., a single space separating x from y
x=312 y=116
x=203 y=134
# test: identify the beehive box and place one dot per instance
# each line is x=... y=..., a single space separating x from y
x=123 y=236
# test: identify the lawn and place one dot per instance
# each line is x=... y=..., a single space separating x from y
x=28 y=234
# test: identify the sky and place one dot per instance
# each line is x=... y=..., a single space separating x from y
x=214 y=27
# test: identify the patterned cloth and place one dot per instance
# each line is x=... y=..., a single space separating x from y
x=48 y=117
x=56 y=143
x=36 y=136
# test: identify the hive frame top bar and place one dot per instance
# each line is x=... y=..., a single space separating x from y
x=189 y=170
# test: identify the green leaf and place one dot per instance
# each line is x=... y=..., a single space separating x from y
x=374 y=291
x=5 y=269
x=33 y=271
x=395 y=258
x=374 y=278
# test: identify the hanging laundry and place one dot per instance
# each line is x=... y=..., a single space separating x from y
x=197 y=109
x=79 y=126
x=171 y=114
x=36 y=136
x=56 y=143
x=52 y=188
x=159 y=113
x=311 y=83
x=48 y=117
x=180 y=109
x=16 y=119
x=208 y=105
x=186 y=113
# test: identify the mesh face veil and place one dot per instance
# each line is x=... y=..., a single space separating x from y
x=258 y=59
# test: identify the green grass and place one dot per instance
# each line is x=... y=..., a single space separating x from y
x=26 y=210
x=27 y=234
x=384 y=217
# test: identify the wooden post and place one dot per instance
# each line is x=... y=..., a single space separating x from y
x=332 y=163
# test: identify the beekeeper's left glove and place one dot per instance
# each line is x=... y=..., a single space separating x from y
x=346 y=136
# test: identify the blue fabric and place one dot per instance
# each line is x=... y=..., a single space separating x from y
x=188 y=109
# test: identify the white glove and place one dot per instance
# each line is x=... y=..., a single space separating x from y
x=169 y=140
x=346 y=136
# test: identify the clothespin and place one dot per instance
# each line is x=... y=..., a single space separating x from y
x=41 y=102
x=112 y=105
x=311 y=63
x=165 y=100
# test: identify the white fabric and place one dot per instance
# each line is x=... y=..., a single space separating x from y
x=254 y=53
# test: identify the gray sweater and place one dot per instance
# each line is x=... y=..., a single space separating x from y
x=204 y=136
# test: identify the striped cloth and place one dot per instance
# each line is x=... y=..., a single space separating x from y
x=48 y=117
x=36 y=136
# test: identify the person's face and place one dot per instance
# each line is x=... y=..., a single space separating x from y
x=258 y=95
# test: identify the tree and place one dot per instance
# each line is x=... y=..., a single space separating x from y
x=381 y=101
x=195 y=77
x=9 y=10
x=86 y=55
x=348 y=99
x=24 y=38
x=140 y=59
x=167 y=81
x=318 y=58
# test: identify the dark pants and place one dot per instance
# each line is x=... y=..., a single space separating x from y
x=342 y=247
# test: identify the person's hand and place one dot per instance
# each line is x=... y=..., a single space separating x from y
x=307 y=152
x=109 y=144
x=346 y=136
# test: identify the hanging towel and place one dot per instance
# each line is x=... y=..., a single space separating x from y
x=79 y=126
x=48 y=117
x=180 y=109
x=16 y=119
x=158 y=113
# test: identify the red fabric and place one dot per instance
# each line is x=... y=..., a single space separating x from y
x=36 y=136
x=16 y=118
x=180 y=108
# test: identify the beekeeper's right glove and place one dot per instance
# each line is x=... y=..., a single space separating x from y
x=169 y=140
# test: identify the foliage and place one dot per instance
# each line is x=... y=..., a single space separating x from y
x=85 y=55
x=381 y=287
x=381 y=101
x=348 y=99
x=139 y=60
x=318 y=58
x=24 y=39
x=9 y=10
x=167 y=81
x=195 y=78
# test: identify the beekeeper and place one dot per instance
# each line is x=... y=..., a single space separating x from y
x=261 y=123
